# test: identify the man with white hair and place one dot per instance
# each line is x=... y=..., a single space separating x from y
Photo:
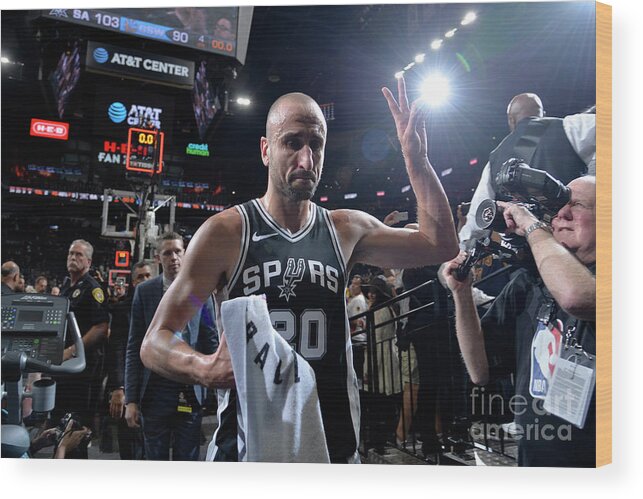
x=542 y=328
x=80 y=393
x=563 y=147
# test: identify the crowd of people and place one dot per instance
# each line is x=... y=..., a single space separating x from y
x=96 y=188
x=330 y=281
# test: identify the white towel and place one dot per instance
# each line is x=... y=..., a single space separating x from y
x=279 y=416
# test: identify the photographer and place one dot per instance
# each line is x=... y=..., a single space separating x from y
x=65 y=440
x=564 y=147
x=526 y=329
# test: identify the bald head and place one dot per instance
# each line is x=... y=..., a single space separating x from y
x=11 y=276
x=9 y=268
x=524 y=106
x=303 y=106
x=293 y=148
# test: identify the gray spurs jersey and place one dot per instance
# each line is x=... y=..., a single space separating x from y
x=303 y=276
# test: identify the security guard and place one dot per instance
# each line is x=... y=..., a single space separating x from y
x=80 y=393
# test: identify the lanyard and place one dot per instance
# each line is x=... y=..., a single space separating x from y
x=547 y=312
x=548 y=308
x=572 y=341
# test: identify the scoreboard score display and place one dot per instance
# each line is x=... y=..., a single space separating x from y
x=193 y=27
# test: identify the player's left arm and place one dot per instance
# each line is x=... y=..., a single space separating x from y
x=364 y=239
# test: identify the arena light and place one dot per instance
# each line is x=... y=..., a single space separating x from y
x=419 y=58
x=323 y=199
x=406 y=188
x=436 y=44
x=351 y=195
x=450 y=33
x=380 y=194
x=436 y=89
x=469 y=18
x=409 y=66
x=243 y=101
x=5 y=60
x=399 y=75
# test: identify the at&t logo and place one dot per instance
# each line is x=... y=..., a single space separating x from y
x=100 y=55
x=117 y=112
x=137 y=115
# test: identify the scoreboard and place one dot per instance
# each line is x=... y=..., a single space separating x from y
x=175 y=26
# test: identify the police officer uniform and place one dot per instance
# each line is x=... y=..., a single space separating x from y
x=79 y=392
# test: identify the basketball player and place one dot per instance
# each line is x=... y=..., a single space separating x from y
x=299 y=255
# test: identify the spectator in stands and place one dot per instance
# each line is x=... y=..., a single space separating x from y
x=12 y=280
x=55 y=291
x=357 y=305
x=41 y=284
x=427 y=331
x=410 y=374
x=382 y=379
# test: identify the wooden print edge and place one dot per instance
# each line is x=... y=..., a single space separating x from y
x=604 y=233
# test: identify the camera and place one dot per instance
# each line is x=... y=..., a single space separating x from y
x=477 y=250
x=540 y=193
x=75 y=425
x=537 y=190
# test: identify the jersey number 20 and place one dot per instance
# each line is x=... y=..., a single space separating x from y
x=311 y=329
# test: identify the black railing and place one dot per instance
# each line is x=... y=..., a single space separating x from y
x=384 y=376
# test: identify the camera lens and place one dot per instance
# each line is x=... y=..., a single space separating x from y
x=489 y=216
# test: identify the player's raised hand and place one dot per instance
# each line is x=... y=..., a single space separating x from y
x=409 y=122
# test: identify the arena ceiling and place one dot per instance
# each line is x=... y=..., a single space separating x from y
x=343 y=55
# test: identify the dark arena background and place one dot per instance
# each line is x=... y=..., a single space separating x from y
x=121 y=124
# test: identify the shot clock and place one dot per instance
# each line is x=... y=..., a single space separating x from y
x=145 y=150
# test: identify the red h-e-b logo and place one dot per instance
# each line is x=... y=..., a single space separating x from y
x=49 y=129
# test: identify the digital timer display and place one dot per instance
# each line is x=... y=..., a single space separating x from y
x=145 y=150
